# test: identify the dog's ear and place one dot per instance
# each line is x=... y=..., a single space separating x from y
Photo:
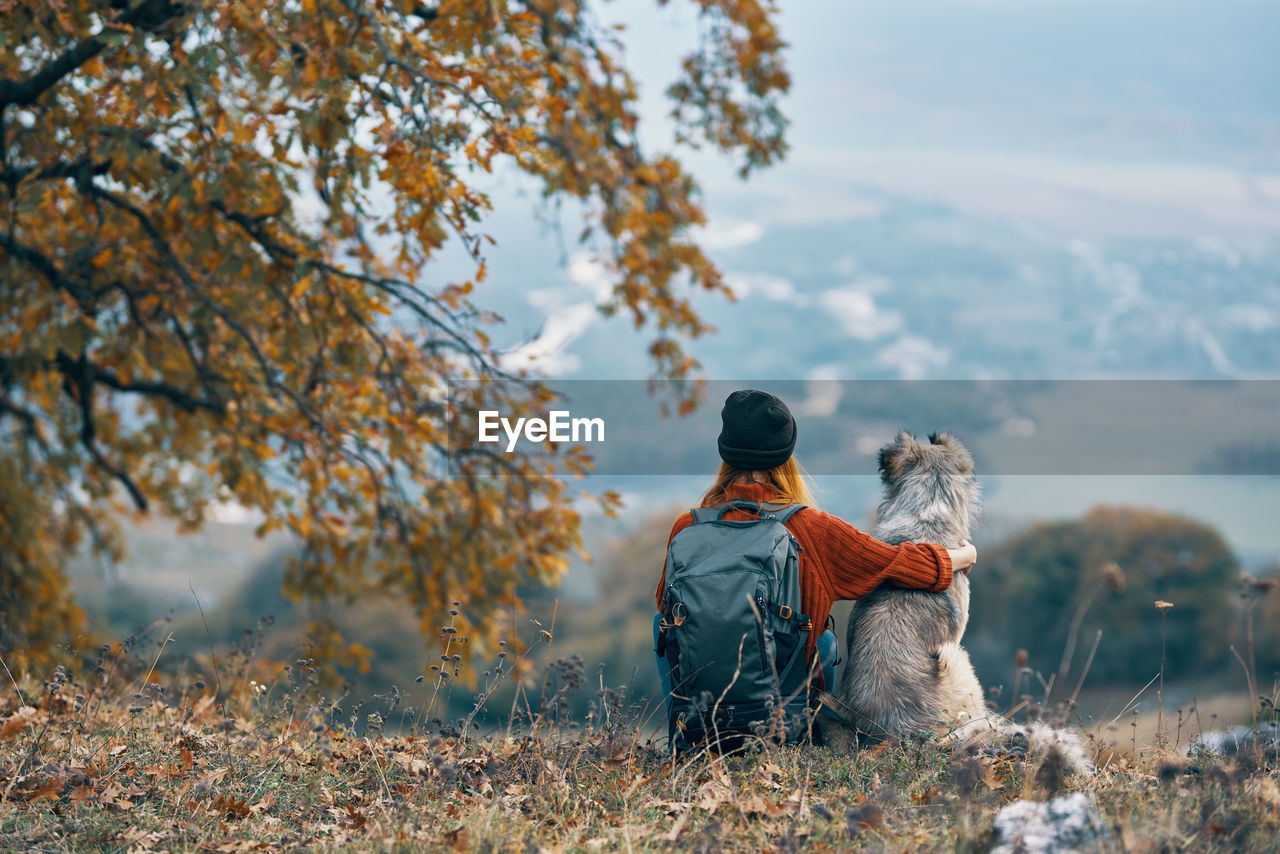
x=898 y=456
x=957 y=453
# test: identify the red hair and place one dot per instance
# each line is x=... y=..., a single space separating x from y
x=789 y=482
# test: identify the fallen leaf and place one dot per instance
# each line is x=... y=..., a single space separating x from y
x=13 y=725
x=459 y=838
x=214 y=775
x=711 y=795
x=677 y=827
x=797 y=805
x=635 y=784
x=230 y=806
x=49 y=789
x=863 y=816
x=768 y=775
x=924 y=797
x=355 y=818
x=1266 y=790
x=410 y=763
x=751 y=802
x=263 y=805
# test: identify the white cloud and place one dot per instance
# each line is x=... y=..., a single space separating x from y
x=1107 y=197
x=233 y=513
x=820 y=203
x=1018 y=426
x=913 y=357
x=1250 y=317
x=584 y=273
x=765 y=285
x=1218 y=247
x=545 y=353
x=547 y=299
x=867 y=445
x=855 y=309
x=566 y=318
x=847 y=264
x=588 y=273
x=824 y=392
x=716 y=236
x=1212 y=348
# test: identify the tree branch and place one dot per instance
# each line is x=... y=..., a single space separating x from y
x=85 y=297
x=79 y=374
x=61 y=169
x=23 y=93
x=28 y=419
x=182 y=399
x=148 y=15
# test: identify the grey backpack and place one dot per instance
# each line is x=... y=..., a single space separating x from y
x=732 y=630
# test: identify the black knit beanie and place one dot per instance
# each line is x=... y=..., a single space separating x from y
x=759 y=432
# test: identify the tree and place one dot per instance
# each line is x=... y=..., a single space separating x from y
x=217 y=223
x=1259 y=636
x=1032 y=588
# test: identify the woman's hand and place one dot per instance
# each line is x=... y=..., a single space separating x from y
x=963 y=558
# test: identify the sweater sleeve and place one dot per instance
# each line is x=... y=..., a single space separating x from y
x=680 y=524
x=855 y=563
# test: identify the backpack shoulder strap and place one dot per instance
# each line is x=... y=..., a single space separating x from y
x=783 y=513
x=707 y=514
x=716 y=511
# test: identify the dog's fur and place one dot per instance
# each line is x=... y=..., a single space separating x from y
x=905 y=670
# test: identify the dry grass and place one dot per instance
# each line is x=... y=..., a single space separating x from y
x=124 y=758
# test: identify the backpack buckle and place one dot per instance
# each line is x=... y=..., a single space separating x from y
x=784 y=611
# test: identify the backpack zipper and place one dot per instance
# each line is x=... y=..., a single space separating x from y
x=680 y=578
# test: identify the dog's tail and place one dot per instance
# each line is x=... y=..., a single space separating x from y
x=865 y=728
x=1035 y=740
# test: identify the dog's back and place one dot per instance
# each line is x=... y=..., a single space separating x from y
x=904 y=668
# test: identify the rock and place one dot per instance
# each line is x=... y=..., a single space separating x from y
x=1231 y=742
x=1066 y=824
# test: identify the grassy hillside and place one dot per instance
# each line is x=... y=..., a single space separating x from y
x=181 y=737
x=122 y=756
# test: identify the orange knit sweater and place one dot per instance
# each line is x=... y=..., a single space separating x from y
x=837 y=560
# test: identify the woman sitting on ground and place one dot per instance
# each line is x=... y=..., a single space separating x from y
x=837 y=561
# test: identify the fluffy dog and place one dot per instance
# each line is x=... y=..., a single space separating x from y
x=905 y=670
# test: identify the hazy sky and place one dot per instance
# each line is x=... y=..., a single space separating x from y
x=965 y=172
x=1058 y=111
x=1048 y=128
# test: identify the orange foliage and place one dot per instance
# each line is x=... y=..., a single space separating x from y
x=215 y=220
